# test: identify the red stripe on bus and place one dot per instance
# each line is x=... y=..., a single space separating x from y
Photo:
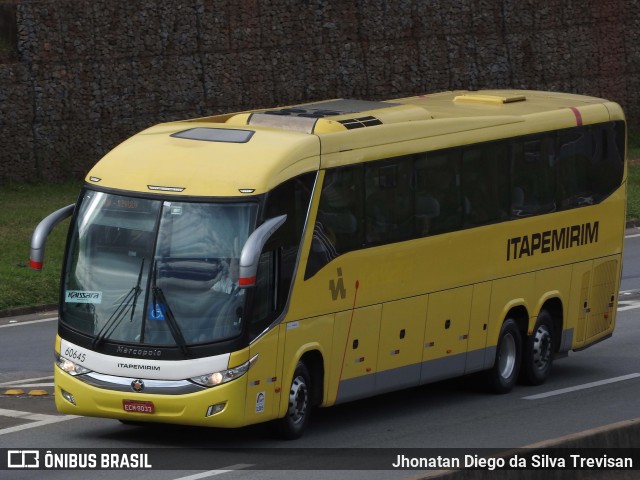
x=578 y=115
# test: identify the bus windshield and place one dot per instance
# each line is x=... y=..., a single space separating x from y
x=159 y=272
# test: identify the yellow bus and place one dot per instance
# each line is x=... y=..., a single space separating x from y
x=243 y=268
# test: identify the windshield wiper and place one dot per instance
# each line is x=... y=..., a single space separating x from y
x=116 y=317
x=174 y=328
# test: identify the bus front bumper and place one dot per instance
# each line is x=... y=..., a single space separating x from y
x=222 y=406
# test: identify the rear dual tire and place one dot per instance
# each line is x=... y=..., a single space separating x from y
x=504 y=374
x=529 y=360
x=538 y=354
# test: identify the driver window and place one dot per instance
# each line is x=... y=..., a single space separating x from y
x=264 y=300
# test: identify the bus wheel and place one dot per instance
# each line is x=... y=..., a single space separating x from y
x=538 y=354
x=504 y=374
x=295 y=421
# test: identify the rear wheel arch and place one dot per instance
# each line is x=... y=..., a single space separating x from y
x=520 y=315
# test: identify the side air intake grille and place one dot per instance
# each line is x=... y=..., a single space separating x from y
x=302 y=112
x=360 y=122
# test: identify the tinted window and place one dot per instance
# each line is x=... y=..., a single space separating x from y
x=439 y=204
x=278 y=260
x=485 y=183
x=590 y=163
x=388 y=203
x=414 y=196
x=338 y=227
x=532 y=176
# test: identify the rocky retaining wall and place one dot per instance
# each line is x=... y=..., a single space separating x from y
x=80 y=76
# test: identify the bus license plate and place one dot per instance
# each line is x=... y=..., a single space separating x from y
x=138 y=406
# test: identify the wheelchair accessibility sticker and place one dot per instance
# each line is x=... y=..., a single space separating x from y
x=157 y=311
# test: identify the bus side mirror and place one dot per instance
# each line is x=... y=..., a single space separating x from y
x=253 y=248
x=41 y=232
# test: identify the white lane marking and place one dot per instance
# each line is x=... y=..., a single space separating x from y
x=30 y=322
x=36 y=420
x=20 y=382
x=582 y=387
x=36 y=417
x=624 y=305
x=628 y=307
x=632 y=236
x=212 y=473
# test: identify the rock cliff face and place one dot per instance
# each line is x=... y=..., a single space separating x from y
x=79 y=76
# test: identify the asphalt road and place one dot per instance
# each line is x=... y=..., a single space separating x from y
x=589 y=389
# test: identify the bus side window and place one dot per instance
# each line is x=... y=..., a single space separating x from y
x=389 y=201
x=575 y=151
x=264 y=299
x=532 y=176
x=439 y=205
x=339 y=220
x=607 y=162
x=485 y=183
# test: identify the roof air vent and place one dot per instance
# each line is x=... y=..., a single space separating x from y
x=488 y=99
x=224 y=135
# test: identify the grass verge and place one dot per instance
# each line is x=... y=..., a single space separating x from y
x=633 y=182
x=23 y=206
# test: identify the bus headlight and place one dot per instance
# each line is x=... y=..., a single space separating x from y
x=224 y=376
x=70 y=367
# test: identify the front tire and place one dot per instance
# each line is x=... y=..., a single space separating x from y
x=293 y=424
x=504 y=374
x=538 y=354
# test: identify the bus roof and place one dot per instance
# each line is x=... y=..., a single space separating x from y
x=252 y=152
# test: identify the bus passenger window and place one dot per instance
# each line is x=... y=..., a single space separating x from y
x=532 y=176
x=485 y=184
x=389 y=202
x=439 y=205
x=607 y=163
x=575 y=150
x=338 y=224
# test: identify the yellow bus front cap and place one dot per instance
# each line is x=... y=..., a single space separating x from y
x=222 y=406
